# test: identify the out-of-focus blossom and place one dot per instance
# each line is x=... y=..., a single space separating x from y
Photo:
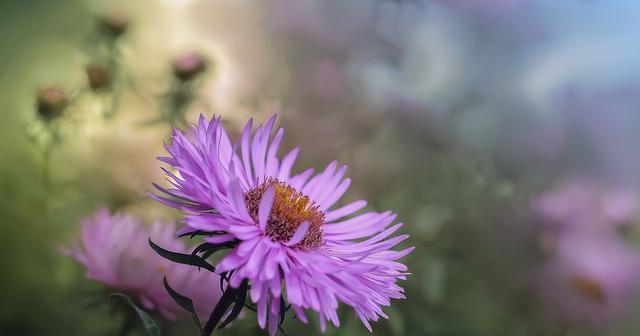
x=583 y=204
x=188 y=66
x=591 y=278
x=114 y=22
x=115 y=251
x=590 y=273
x=293 y=242
x=51 y=102
x=245 y=67
x=98 y=76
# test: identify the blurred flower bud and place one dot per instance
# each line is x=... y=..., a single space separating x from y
x=51 y=102
x=114 y=23
x=188 y=66
x=99 y=76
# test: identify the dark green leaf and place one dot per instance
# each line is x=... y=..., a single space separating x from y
x=184 y=302
x=283 y=311
x=201 y=233
x=228 y=297
x=182 y=258
x=149 y=324
x=239 y=304
x=223 y=276
x=210 y=248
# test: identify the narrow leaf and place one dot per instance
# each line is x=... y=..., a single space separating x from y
x=184 y=302
x=283 y=311
x=182 y=258
x=223 y=277
x=211 y=248
x=201 y=233
x=228 y=297
x=239 y=304
x=149 y=324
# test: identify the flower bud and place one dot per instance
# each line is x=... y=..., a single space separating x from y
x=188 y=66
x=51 y=102
x=99 y=76
x=114 y=23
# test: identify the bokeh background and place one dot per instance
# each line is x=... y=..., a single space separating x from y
x=503 y=132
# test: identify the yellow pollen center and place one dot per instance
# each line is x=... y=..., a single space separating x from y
x=290 y=209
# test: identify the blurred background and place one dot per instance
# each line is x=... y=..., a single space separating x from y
x=503 y=132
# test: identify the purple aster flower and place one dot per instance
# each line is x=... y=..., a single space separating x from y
x=590 y=278
x=293 y=242
x=115 y=252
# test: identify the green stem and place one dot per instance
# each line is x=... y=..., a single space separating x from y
x=46 y=173
x=46 y=164
x=113 y=65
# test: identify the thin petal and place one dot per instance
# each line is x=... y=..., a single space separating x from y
x=287 y=163
x=345 y=210
x=298 y=236
x=265 y=207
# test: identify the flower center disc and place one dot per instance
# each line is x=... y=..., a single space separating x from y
x=589 y=288
x=290 y=208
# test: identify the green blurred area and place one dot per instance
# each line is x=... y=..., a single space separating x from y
x=37 y=284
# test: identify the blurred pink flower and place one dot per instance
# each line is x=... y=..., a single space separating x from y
x=115 y=251
x=583 y=203
x=590 y=278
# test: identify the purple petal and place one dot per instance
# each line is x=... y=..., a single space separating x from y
x=265 y=207
x=345 y=210
x=298 y=236
x=287 y=163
